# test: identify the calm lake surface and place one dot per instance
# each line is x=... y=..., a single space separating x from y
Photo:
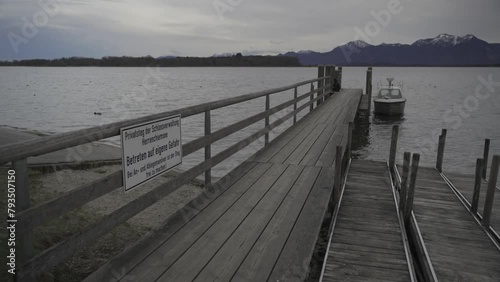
x=63 y=99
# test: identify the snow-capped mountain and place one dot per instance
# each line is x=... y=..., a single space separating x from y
x=444 y=40
x=442 y=50
x=357 y=44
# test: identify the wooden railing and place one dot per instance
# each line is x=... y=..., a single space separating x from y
x=30 y=217
x=480 y=176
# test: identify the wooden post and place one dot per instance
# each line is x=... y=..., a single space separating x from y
x=339 y=76
x=295 y=105
x=394 y=146
x=328 y=82
x=208 y=148
x=369 y=88
x=477 y=186
x=267 y=119
x=311 y=106
x=440 y=154
x=24 y=231
x=338 y=174
x=349 y=138
x=404 y=181
x=490 y=193
x=485 y=156
x=321 y=73
x=333 y=75
x=411 y=188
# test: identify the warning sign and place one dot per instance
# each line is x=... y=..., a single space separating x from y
x=150 y=149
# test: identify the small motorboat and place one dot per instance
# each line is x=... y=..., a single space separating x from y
x=389 y=100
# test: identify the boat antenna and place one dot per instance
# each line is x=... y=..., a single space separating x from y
x=390 y=79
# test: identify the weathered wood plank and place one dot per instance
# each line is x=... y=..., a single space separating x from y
x=449 y=231
x=242 y=177
x=229 y=218
x=293 y=262
x=233 y=234
x=367 y=219
x=260 y=261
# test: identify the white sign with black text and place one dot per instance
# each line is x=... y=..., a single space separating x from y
x=149 y=149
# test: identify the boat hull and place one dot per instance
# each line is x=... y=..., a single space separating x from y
x=389 y=108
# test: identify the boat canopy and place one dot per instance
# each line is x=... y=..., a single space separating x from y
x=390 y=93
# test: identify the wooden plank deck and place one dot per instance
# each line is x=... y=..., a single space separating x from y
x=367 y=242
x=465 y=184
x=457 y=246
x=259 y=223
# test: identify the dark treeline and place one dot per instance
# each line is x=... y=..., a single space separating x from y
x=235 y=61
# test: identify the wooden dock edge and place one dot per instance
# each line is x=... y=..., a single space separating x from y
x=416 y=244
x=334 y=218
x=490 y=231
x=404 y=234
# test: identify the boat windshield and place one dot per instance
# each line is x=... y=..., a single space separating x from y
x=390 y=93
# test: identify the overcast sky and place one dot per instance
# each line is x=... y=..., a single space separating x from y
x=96 y=28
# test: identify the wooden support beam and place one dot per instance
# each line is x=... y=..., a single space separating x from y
x=485 y=157
x=411 y=188
x=394 y=146
x=350 y=130
x=369 y=88
x=477 y=186
x=24 y=231
x=267 y=119
x=321 y=82
x=338 y=175
x=440 y=154
x=311 y=107
x=403 y=194
x=490 y=193
x=295 y=105
x=208 y=149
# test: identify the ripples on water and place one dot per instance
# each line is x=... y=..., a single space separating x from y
x=64 y=99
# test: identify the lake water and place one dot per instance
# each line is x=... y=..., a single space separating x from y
x=63 y=99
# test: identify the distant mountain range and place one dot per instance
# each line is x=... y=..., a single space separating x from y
x=443 y=50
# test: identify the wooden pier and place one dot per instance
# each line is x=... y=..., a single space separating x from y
x=265 y=224
x=458 y=249
x=368 y=240
x=262 y=221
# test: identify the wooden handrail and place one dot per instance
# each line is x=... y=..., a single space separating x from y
x=48 y=144
x=78 y=197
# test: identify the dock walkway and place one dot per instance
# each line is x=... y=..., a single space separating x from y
x=259 y=223
x=457 y=246
x=367 y=242
x=465 y=184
